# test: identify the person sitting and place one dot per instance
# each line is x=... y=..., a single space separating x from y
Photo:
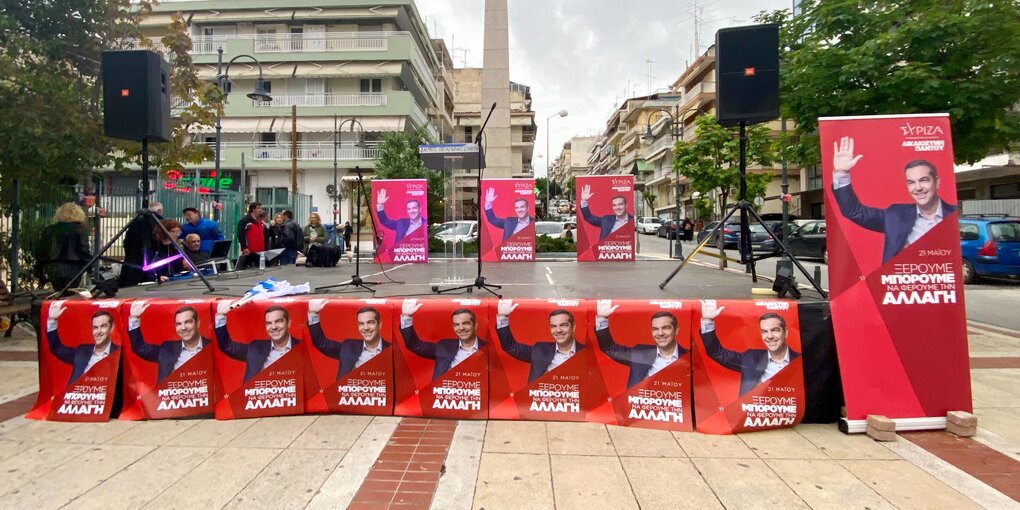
x=314 y=232
x=193 y=249
x=64 y=247
x=165 y=251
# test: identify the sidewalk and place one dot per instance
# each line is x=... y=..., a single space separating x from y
x=365 y=462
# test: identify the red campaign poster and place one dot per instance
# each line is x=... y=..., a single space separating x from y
x=644 y=356
x=441 y=366
x=605 y=217
x=508 y=231
x=79 y=354
x=168 y=359
x=748 y=369
x=260 y=358
x=542 y=367
x=894 y=268
x=350 y=358
x=400 y=209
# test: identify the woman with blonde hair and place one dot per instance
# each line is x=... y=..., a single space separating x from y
x=315 y=233
x=63 y=247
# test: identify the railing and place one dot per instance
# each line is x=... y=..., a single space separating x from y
x=528 y=137
x=324 y=100
x=322 y=151
x=337 y=41
x=528 y=169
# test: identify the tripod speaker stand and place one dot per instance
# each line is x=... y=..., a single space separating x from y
x=356 y=281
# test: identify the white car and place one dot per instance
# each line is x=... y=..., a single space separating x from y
x=553 y=229
x=457 y=231
x=648 y=224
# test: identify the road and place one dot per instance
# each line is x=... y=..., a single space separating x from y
x=987 y=301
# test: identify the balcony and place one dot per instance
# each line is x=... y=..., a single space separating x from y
x=306 y=151
x=698 y=95
x=298 y=43
x=323 y=100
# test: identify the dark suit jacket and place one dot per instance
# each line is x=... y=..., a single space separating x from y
x=442 y=351
x=539 y=355
x=639 y=358
x=751 y=363
x=896 y=221
x=254 y=354
x=605 y=223
x=509 y=225
x=347 y=351
x=78 y=357
x=400 y=225
x=165 y=354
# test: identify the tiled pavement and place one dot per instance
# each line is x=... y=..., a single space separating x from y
x=385 y=462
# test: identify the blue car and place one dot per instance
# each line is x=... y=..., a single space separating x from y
x=990 y=246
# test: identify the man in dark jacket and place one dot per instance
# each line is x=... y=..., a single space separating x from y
x=257 y=354
x=352 y=353
x=755 y=365
x=138 y=240
x=171 y=354
x=544 y=357
x=520 y=221
x=83 y=357
x=644 y=360
x=611 y=222
x=292 y=238
x=448 y=352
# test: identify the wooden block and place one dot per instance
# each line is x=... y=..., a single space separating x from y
x=960 y=430
x=879 y=422
x=881 y=435
x=961 y=418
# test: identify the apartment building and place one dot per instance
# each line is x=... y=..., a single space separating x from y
x=368 y=66
x=573 y=160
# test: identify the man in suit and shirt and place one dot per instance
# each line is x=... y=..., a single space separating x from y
x=448 y=352
x=755 y=365
x=644 y=360
x=512 y=225
x=609 y=223
x=543 y=356
x=902 y=224
x=353 y=352
x=171 y=354
x=257 y=354
x=402 y=226
x=83 y=357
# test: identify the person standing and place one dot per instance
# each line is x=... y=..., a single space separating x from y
x=64 y=247
x=208 y=230
x=290 y=238
x=138 y=239
x=252 y=236
x=348 y=232
x=688 y=228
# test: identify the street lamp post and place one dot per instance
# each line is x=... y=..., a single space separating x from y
x=359 y=142
x=222 y=80
x=676 y=123
x=548 y=162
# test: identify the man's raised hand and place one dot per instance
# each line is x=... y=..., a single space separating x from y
x=138 y=308
x=381 y=198
x=223 y=306
x=586 y=193
x=316 y=305
x=605 y=307
x=709 y=310
x=843 y=158
x=490 y=196
x=410 y=306
x=56 y=309
x=506 y=306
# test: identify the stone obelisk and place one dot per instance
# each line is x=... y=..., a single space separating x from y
x=496 y=89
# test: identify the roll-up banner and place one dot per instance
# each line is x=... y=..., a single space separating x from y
x=350 y=356
x=543 y=367
x=400 y=209
x=508 y=230
x=168 y=359
x=79 y=356
x=441 y=365
x=644 y=356
x=895 y=267
x=748 y=368
x=260 y=358
x=605 y=217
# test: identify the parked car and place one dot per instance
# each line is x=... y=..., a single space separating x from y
x=667 y=229
x=990 y=246
x=553 y=229
x=457 y=231
x=648 y=225
x=730 y=233
x=768 y=244
x=808 y=241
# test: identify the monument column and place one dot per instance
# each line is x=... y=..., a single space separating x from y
x=496 y=89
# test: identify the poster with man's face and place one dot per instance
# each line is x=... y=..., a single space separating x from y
x=508 y=220
x=400 y=210
x=605 y=218
x=644 y=356
x=168 y=358
x=260 y=358
x=79 y=357
x=441 y=364
x=748 y=365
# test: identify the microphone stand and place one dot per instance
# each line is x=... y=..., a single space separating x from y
x=479 y=279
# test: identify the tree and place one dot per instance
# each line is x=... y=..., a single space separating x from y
x=842 y=57
x=399 y=159
x=649 y=197
x=711 y=159
x=50 y=118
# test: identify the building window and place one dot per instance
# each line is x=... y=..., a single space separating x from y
x=371 y=85
x=1004 y=191
x=267 y=138
x=814 y=175
x=469 y=135
x=966 y=194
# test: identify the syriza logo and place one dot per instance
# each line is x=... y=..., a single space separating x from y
x=924 y=137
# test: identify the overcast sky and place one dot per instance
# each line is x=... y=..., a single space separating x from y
x=587 y=56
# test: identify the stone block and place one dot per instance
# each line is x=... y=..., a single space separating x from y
x=881 y=435
x=879 y=422
x=961 y=418
x=960 y=430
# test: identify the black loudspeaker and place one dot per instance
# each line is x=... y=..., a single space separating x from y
x=747 y=74
x=136 y=95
